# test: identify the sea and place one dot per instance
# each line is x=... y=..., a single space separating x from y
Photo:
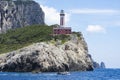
x=97 y=74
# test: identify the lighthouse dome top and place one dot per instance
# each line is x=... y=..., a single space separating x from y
x=62 y=12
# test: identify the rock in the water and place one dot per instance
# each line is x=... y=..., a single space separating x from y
x=97 y=65
x=15 y=14
x=48 y=57
x=102 y=65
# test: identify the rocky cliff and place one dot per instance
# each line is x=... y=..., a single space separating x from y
x=15 y=14
x=49 y=57
x=96 y=65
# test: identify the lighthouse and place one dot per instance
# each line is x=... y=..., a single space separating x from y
x=61 y=29
x=62 y=18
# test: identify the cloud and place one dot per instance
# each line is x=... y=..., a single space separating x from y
x=95 y=28
x=94 y=11
x=52 y=15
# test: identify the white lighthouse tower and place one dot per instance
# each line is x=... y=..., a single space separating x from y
x=62 y=18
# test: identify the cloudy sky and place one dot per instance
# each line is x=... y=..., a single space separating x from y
x=98 y=20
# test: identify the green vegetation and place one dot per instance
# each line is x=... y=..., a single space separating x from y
x=17 y=38
x=79 y=34
x=20 y=37
x=62 y=37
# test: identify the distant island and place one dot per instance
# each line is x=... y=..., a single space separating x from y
x=27 y=44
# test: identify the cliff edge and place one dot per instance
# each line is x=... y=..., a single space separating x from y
x=52 y=56
x=15 y=14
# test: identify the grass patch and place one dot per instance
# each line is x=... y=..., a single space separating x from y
x=20 y=37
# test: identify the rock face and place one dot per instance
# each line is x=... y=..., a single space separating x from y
x=49 y=57
x=96 y=65
x=15 y=14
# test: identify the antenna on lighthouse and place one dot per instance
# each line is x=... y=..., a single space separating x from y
x=62 y=18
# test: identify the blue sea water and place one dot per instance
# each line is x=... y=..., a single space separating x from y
x=98 y=74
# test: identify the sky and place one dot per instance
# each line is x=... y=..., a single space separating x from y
x=98 y=20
